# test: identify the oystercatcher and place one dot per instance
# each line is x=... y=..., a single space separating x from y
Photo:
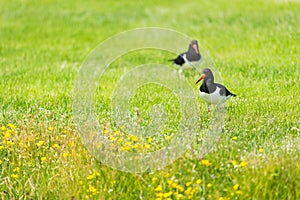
x=192 y=57
x=211 y=92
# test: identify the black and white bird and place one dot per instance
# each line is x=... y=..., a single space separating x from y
x=189 y=59
x=211 y=92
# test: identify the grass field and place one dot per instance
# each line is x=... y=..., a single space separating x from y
x=255 y=46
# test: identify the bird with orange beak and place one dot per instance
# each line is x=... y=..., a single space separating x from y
x=190 y=59
x=211 y=92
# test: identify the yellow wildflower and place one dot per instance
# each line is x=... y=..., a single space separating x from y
x=168 y=137
x=133 y=138
x=1 y=162
x=188 y=183
x=168 y=194
x=105 y=131
x=11 y=126
x=17 y=169
x=150 y=139
x=159 y=195
x=239 y=192
x=120 y=140
x=1 y=147
x=174 y=185
x=90 y=177
x=7 y=134
x=236 y=186
x=158 y=188
x=154 y=179
x=15 y=176
x=126 y=148
x=112 y=138
x=50 y=128
x=260 y=150
x=188 y=191
x=206 y=162
x=209 y=185
x=40 y=143
x=72 y=143
x=223 y=198
x=146 y=146
x=43 y=158
x=55 y=146
x=9 y=143
x=234 y=138
x=233 y=162
x=92 y=189
x=243 y=164
x=66 y=154
x=3 y=128
x=180 y=188
x=199 y=181
x=127 y=143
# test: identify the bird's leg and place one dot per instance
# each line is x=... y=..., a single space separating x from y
x=180 y=71
x=220 y=106
x=208 y=107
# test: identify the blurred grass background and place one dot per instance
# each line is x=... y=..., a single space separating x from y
x=255 y=46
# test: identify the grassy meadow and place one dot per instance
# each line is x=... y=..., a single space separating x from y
x=255 y=46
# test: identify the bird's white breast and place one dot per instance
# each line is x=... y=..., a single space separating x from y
x=213 y=98
x=189 y=64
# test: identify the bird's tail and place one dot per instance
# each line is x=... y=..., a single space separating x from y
x=234 y=95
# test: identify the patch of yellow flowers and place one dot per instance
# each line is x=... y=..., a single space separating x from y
x=130 y=142
x=174 y=190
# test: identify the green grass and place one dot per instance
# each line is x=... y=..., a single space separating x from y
x=255 y=46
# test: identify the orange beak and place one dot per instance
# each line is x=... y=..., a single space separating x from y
x=195 y=47
x=200 y=78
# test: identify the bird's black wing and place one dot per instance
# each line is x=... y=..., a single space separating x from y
x=179 y=60
x=208 y=87
x=224 y=91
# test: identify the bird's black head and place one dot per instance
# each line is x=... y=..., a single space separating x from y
x=194 y=46
x=207 y=75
